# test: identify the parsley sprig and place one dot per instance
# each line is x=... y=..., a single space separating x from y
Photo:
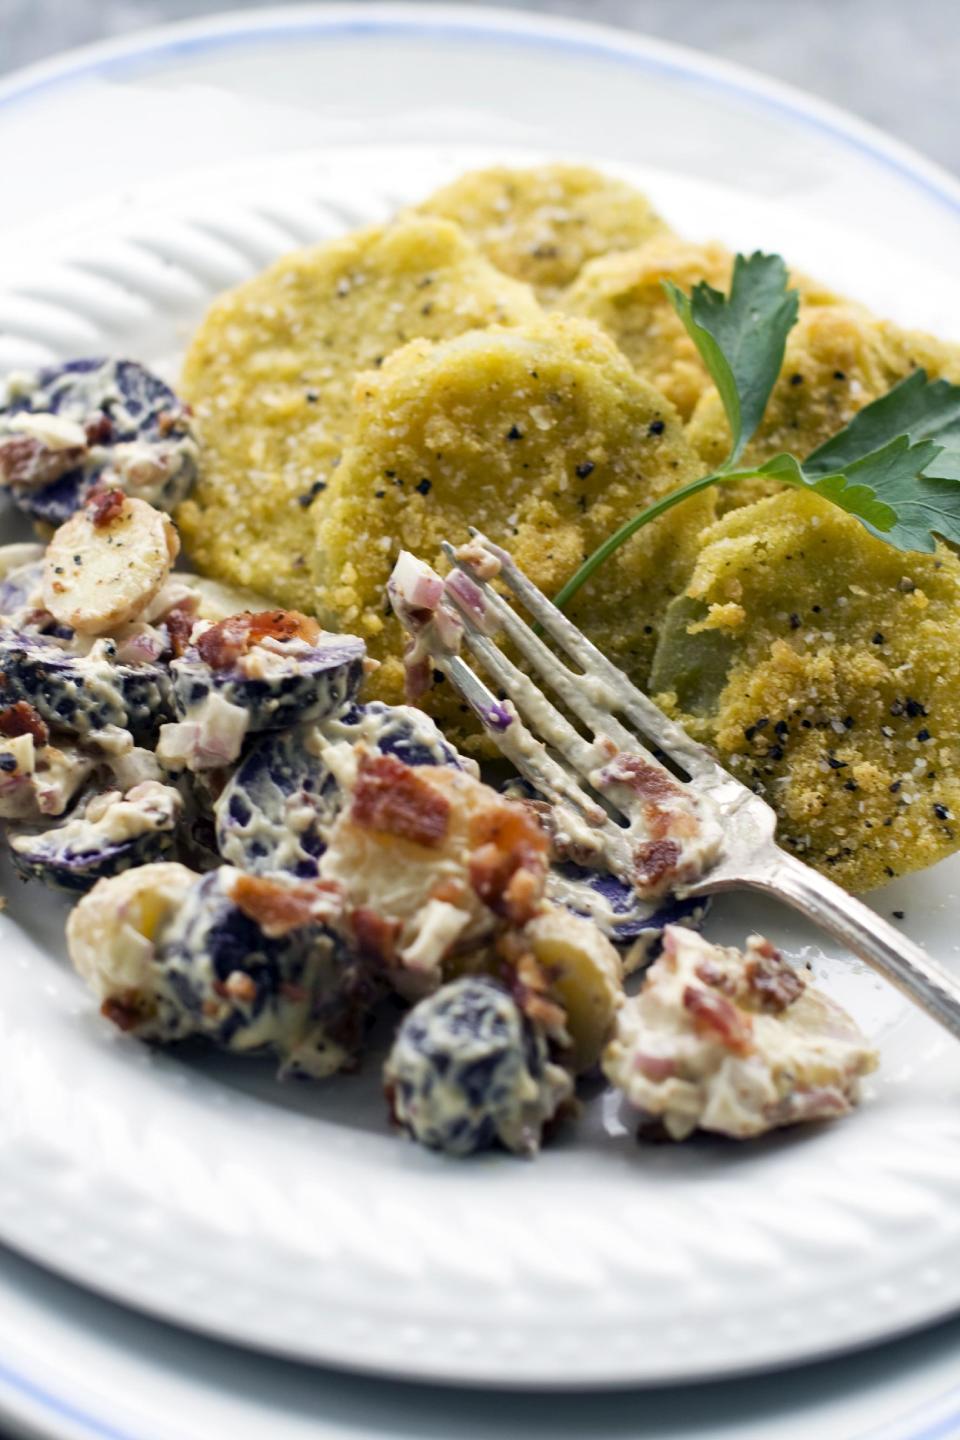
x=895 y=467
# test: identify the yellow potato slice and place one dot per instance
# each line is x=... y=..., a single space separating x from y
x=546 y=439
x=98 y=576
x=270 y=375
x=824 y=667
x=624 y=294
x=583 y=971
x=838 y=359
x=543 y=224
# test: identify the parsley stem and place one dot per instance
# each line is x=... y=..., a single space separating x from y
x=652 y=512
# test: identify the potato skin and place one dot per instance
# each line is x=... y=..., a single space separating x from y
x=543 y=224
x=838 y=692
x=544 y=438
x=270 y=374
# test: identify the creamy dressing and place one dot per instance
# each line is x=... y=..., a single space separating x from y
x=702 y=1046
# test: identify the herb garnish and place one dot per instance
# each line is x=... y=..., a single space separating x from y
x=895 y=467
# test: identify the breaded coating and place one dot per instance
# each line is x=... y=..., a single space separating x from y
x=838 y=359
x=624 y=294
x=270 y=374
x=543 y=224
x=546 y=439
x=824 y=667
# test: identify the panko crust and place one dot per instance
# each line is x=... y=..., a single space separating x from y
x=543 y=224
x=270 y=374
x=824 y=667
x=543 y=437
x=838 y=359
x=624 y=295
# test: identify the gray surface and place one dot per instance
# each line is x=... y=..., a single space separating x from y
x=891 y=61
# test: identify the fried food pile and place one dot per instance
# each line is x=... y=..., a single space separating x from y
x=504 y=356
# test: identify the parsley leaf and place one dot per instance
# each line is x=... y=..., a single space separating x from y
x=895 y=466
x=917 y=407
x=741 y=337
x=888 y=491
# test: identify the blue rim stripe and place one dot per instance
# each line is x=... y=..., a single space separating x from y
x=373 y=26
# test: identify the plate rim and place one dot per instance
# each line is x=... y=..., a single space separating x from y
x=417 y=18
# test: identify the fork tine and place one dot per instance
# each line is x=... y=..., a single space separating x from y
x=639 y=708
x=568 y=686
x=544 y=773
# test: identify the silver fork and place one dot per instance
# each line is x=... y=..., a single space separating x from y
x=569 y=770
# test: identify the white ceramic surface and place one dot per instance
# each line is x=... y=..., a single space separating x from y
x=286 y=1217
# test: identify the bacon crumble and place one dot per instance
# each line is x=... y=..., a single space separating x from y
x=279 y=908
x=393 y=798
x=713 y=1014
x=25 y=460
x=21 y=719
x=105 y=506
x=223 y=644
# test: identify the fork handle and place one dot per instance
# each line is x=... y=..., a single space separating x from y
x=863 y=931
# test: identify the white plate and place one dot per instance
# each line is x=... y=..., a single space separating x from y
x=287 y=1217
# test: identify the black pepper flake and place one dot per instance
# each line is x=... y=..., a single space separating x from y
x=316 y=489
x=794 y=622
x=906 y=585
x=775 y=752
x=806 y=724
x=390 y=474
x=423 y=487
x=895 y=787
x=834 y=763
x=923 y=734
x=438 y=677
x=58 y=569
x=878 y=638
x=915 y=710
x=796 y=379
x=585 y=468
x=656 y=427
x=8 y=763
x=781 y=728
x=850 y=785
x=427 y=309
x=815 y=609
x=648 y=629
x=78 y=559
x=379 y=494
x=848 y=722
x=896 y=709
x=898 y=914
x=839 y=375
x=311 y=396
x=889 y=871
x=514 y=433
x=942 y=812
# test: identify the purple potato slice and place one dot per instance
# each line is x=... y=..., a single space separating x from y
x=467 y=1071
x=293 y=681
x=67 y=428
x=272 y=814
x=106 y=834
x=80 y=693
x=615 y=907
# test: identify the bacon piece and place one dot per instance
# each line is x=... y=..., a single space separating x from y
x=180 y=622
x=125 y=1011
x=395 y=799
x=654 y=860
x=21 y=719
x=279 y=908
x=711 y=974
x=99 y=429
x=224 y=643
x=508 y=862
x=715 y=1015
x=105 y=507
x=772 y=982
x=375 y=936
x=240 y=986
x=25 y=460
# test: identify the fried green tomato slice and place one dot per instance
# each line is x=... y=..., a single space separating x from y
x=624 y=294
x=543 y=224
x=270 y=375
x=838 y=359
x=546 y=439
x=824 y=667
